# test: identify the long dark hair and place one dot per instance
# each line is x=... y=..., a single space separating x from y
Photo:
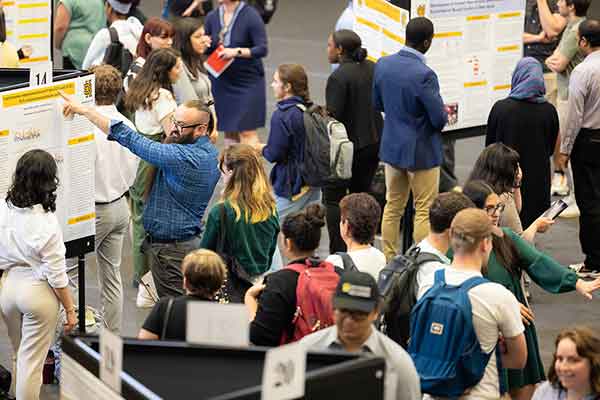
x=351 y=45
x=504 y=248
x=184 y=29
x=497 y=165
x=35 y=181
x=143 y=90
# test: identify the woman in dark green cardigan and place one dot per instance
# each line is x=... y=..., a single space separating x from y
x=510 y=257
x=250 y=216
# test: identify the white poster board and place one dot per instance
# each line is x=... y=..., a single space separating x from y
x=28 y=23
x=381 y=27
x=32 y=118
x=476 y=46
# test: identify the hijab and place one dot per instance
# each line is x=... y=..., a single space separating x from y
x=528 y=81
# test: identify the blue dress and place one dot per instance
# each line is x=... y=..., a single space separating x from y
x=240 y=91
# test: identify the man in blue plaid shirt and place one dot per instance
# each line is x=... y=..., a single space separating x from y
x=187 y=173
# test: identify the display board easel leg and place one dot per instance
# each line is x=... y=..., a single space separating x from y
x=81 y=287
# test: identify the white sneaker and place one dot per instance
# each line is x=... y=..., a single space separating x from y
x=559 y=184
x=582 y=272
x=571 y=212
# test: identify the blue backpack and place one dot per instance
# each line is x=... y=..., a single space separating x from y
x=443 y=344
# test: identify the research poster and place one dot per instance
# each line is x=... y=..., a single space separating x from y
x=28 y=26
x=32 y=118
x=381 y=26
x=476 y=46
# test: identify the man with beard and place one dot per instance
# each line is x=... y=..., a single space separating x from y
x=187 y=173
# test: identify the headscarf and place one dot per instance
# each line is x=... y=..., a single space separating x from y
x=528 y=81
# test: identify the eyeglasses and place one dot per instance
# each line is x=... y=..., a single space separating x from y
x=357 y=316
x=492 y=210
x=180 y=127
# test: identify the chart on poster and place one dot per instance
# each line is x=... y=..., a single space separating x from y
x=28 y=27
x=32 y=118
x=476 y=46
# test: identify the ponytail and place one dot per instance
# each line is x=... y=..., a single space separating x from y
x=351 y=45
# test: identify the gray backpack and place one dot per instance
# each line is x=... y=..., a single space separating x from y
x=328 y=152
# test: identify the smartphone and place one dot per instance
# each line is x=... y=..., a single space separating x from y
x=555 y=209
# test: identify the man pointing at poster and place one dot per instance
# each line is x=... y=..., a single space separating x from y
x=187 y=174
x=408 y=92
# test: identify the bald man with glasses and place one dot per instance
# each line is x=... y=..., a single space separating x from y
x=186 y=175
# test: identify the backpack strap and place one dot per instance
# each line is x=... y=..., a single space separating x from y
x=114 y=35
x=440 y=277
x=301 y=107
x=472 y=282
x=167 y=318
x=347 y=261
x=425 y=257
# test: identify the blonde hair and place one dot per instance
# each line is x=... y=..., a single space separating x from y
x=204 y=272
x=248 y=189
x=469 y=227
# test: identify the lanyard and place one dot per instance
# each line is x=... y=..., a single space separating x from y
x=225 y=34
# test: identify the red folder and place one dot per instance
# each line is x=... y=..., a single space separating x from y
x=215 y=64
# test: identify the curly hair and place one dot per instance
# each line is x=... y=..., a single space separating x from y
x=362 y=212
x=108 y=84
x=587 y=344
x=444 y=208
x=304 y=228
x=35 y=181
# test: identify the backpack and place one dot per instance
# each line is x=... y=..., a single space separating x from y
x=347 y=261
x=398 y=286
x=444 y=345
x=328 y=152
x=265 y=8
x=314 y=299
x=116 y=54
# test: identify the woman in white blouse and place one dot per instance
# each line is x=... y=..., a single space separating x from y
x=34 y=274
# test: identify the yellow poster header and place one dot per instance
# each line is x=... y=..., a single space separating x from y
x=475 y=84
x=502 y=87
x=447 y=34
x=510 y=14
x=477 y=17
x=4 y=133
x=81 y=139
x=514 y=47
x=368 y=23
x=393 y=36
x=385 y=8
x=35 y=95
x=82 y=218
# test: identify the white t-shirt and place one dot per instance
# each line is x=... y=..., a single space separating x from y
x=429 y=267
x=495 y=311
x=369 y=260
x=147 y=121
x=112 y=182
x=129 y=31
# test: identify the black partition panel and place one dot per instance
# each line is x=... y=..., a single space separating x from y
x=173 y=369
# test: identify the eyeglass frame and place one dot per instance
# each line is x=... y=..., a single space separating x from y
x=492 y=210
x=180 y=127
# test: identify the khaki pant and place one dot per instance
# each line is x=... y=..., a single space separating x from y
x=30 y=310
x=399 y=183
x=551 y=90
x=112 y=224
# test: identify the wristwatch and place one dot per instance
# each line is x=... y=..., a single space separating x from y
x=239 y=52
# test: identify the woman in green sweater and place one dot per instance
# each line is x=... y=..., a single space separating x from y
x=510 y=257
x=246 y=216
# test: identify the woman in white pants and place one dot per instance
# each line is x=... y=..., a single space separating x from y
x=32 y=262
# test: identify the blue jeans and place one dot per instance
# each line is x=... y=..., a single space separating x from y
x=286 y=206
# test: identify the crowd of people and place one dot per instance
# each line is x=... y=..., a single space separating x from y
x=157 y=120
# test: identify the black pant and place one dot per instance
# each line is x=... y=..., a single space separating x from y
x=364 y=165
x=448 y=179
x=585 y=162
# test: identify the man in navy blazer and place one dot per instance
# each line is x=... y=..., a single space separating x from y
x=407 y=91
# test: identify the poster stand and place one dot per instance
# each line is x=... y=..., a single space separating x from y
x=18 y=78
x=171 y=370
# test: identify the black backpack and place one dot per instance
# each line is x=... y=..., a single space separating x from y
x=265 y=8
x=347 y=261
x=116 y=54
x=398 y=286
